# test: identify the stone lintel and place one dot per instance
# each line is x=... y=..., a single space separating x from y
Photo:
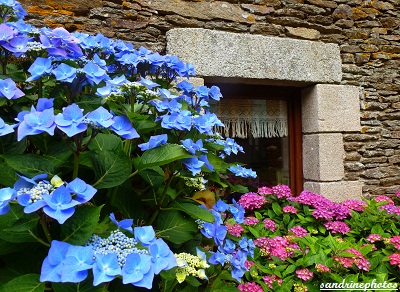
x=336 y=191
x=331 y=108
x=323 y=156
x=225 y=54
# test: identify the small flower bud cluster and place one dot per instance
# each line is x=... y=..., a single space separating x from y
x=35 y=46
x=117 y=243
x=190 y=265
x=199 y=183
x=36 y=192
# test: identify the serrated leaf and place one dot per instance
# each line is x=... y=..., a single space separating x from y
x=111 y=168
x=32 y=164
x=106 y=142
x=8 y=220
x=78 y=229
x=8 y=176
x=162 y=155
x=25 y=283
x=175 y=227
x=194 y=211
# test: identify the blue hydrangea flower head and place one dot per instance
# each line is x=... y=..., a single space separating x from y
x=6 y=33
x=192 y=147
x=64 y=73
x=78 y=260
x=145 y=235
x=123 y=127
x=138 y=270
x=217 y=258
x=105 y=268
x=44 y=103
x=5 y=128
x=94 y=73
x=221 y=206
x=39 y=67
x=241 y=171
x=35 y=123
x=71 y=121
x=6 y=196
x=100 y=118
x=60 y=205
x=154 y=141
x=207 y=163
x=162 y=257
x=125 y=224
x=83 y=191
x=215 y=92
x=17 y=45
x=148 y=83
x=9 y=89
x=185 y=86
x=193 y=164
x=52 y=265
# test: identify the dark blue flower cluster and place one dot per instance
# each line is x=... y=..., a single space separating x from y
x=56 y=198
x=136 y=259
x=230 y=253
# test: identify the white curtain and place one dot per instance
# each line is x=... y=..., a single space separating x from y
x=262 y=118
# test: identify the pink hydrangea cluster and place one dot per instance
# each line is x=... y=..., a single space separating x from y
x=322 y=268
x=298 y=231
x=384 y=198
x=397 y=194
x=269 y=224
x=269 y=279
x=250 y=221
x=358 y=259
x=394 y=259
x=355 y=205
x=250 y=287
x=281 y=191
x=234 y=229
x=276 y=246
x=289 y=209
x=395 y=240
x=304 y=274
x=264 y=191
x=373 y=237
x=251 y=201
x=337 y=227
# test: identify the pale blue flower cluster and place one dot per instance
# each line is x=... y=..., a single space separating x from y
x=137 y=260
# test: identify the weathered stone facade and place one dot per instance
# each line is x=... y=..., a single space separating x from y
x=366 y=31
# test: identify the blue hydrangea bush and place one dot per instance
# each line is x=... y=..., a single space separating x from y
x=106 y=154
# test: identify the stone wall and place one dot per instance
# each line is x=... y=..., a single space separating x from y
x=367 y=31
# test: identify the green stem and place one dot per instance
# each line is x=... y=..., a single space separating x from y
x=76 y=165
x=38 y=239
x=154 y=216
x=134 y=173
x=127 y=147
x=40 y=88
x=45 y=228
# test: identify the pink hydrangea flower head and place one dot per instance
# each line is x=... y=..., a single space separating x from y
x=251 y=221
x=304 y=274
x=373 y=237
x=251 y=201
x=269 y=279
x=264 y=191
x=250 y=287
x=322 y=268
x=281 y=191
x=384 y=198
x=337 y=227
x=234 y=229
x=394 y=259
x=289 y=209
x=390 y=209
x=355 y=205
x=345 y=262
x=269 y=224
x=397 y=194
x=362 y=263
x=298 y=231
